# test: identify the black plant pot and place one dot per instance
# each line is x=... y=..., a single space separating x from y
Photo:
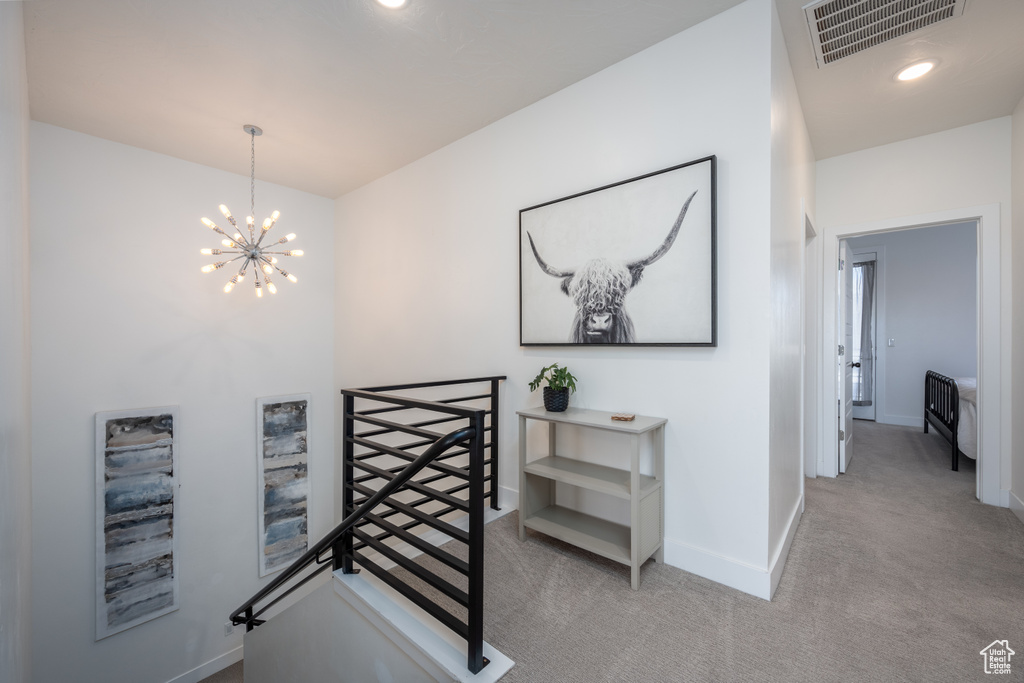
x=556 y=400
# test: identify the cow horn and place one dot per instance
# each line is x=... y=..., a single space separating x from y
x=660 y=251
x=545 y=267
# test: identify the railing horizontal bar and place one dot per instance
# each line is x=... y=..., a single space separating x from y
x=404 y=533
x=411 y=444
x=410 y=402
x=306 y=579
x=369 y=477
x=440 y=383
x=442 y=615
x=404 y=446
x=425 y=518
x=399 y=427
x=395 y=470
x=454 y=489
x=428 y=480
x=419 y=571
x=442 y=496
x=424 y=423
x=398 y=453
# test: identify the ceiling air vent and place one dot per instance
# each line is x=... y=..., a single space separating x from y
x=840 y=28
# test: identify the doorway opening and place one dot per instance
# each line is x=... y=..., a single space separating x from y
x=899 y=345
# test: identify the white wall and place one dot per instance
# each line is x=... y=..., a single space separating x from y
x=927 y=289
x=122 y=318
x=961 y=168
x=1017 y=328
x=792 y=182
x=430 y=257
x=15 y=425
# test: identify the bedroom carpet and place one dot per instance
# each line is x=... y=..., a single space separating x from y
x=896 y=573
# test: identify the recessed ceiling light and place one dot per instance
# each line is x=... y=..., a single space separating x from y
x=915 y=71
x=393 y=4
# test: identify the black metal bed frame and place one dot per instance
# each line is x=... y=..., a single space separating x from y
x=455 y=468
x=942 y=409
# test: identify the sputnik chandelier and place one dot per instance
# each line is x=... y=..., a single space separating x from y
x=250 y=249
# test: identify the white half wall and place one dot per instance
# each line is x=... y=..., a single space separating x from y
x=123 y=318
x=928 y=304
x=792 y=196
x=15 y=394
x=430 y=263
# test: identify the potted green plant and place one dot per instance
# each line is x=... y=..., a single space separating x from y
x=560 y=383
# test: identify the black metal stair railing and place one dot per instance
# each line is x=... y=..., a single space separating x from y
x=434 y=482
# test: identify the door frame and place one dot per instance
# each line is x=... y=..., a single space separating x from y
x=990 y=451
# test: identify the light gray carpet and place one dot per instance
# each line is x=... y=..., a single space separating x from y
x=896 y=573
x=232 y=674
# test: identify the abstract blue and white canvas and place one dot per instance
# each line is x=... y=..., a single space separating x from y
x=136 y=544
x=282 y=437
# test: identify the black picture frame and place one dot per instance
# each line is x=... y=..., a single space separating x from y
x=607 y=267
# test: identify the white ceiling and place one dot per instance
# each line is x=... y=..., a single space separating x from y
x=347 y=91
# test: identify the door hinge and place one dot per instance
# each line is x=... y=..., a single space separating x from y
x=842 y=350
x=842 y=263
x=842 y=435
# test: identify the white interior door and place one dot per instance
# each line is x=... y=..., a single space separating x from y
x=844 y=362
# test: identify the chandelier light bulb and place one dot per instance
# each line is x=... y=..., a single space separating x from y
x=207 y=252
x=292 y=277
x=259 y=290
x=208 y=223
x=229 y=286
x=294 y=252
x=267 y=268
x=271 y=286
x=228 y=243
x=227 y=214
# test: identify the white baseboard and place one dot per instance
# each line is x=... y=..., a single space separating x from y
x=1016 y=505
x=726 y=571
x=778 y=562
x=753 y=580
x=508 y=499
x=211 y=667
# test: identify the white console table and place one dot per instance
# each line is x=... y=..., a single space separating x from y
x=631 y=545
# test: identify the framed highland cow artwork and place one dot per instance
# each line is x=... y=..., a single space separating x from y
x=628 y=264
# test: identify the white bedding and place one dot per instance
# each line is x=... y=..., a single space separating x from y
x=967 y=434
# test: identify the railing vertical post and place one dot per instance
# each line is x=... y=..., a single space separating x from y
x=342 y=550
x=475 y=639
x=494 y=444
